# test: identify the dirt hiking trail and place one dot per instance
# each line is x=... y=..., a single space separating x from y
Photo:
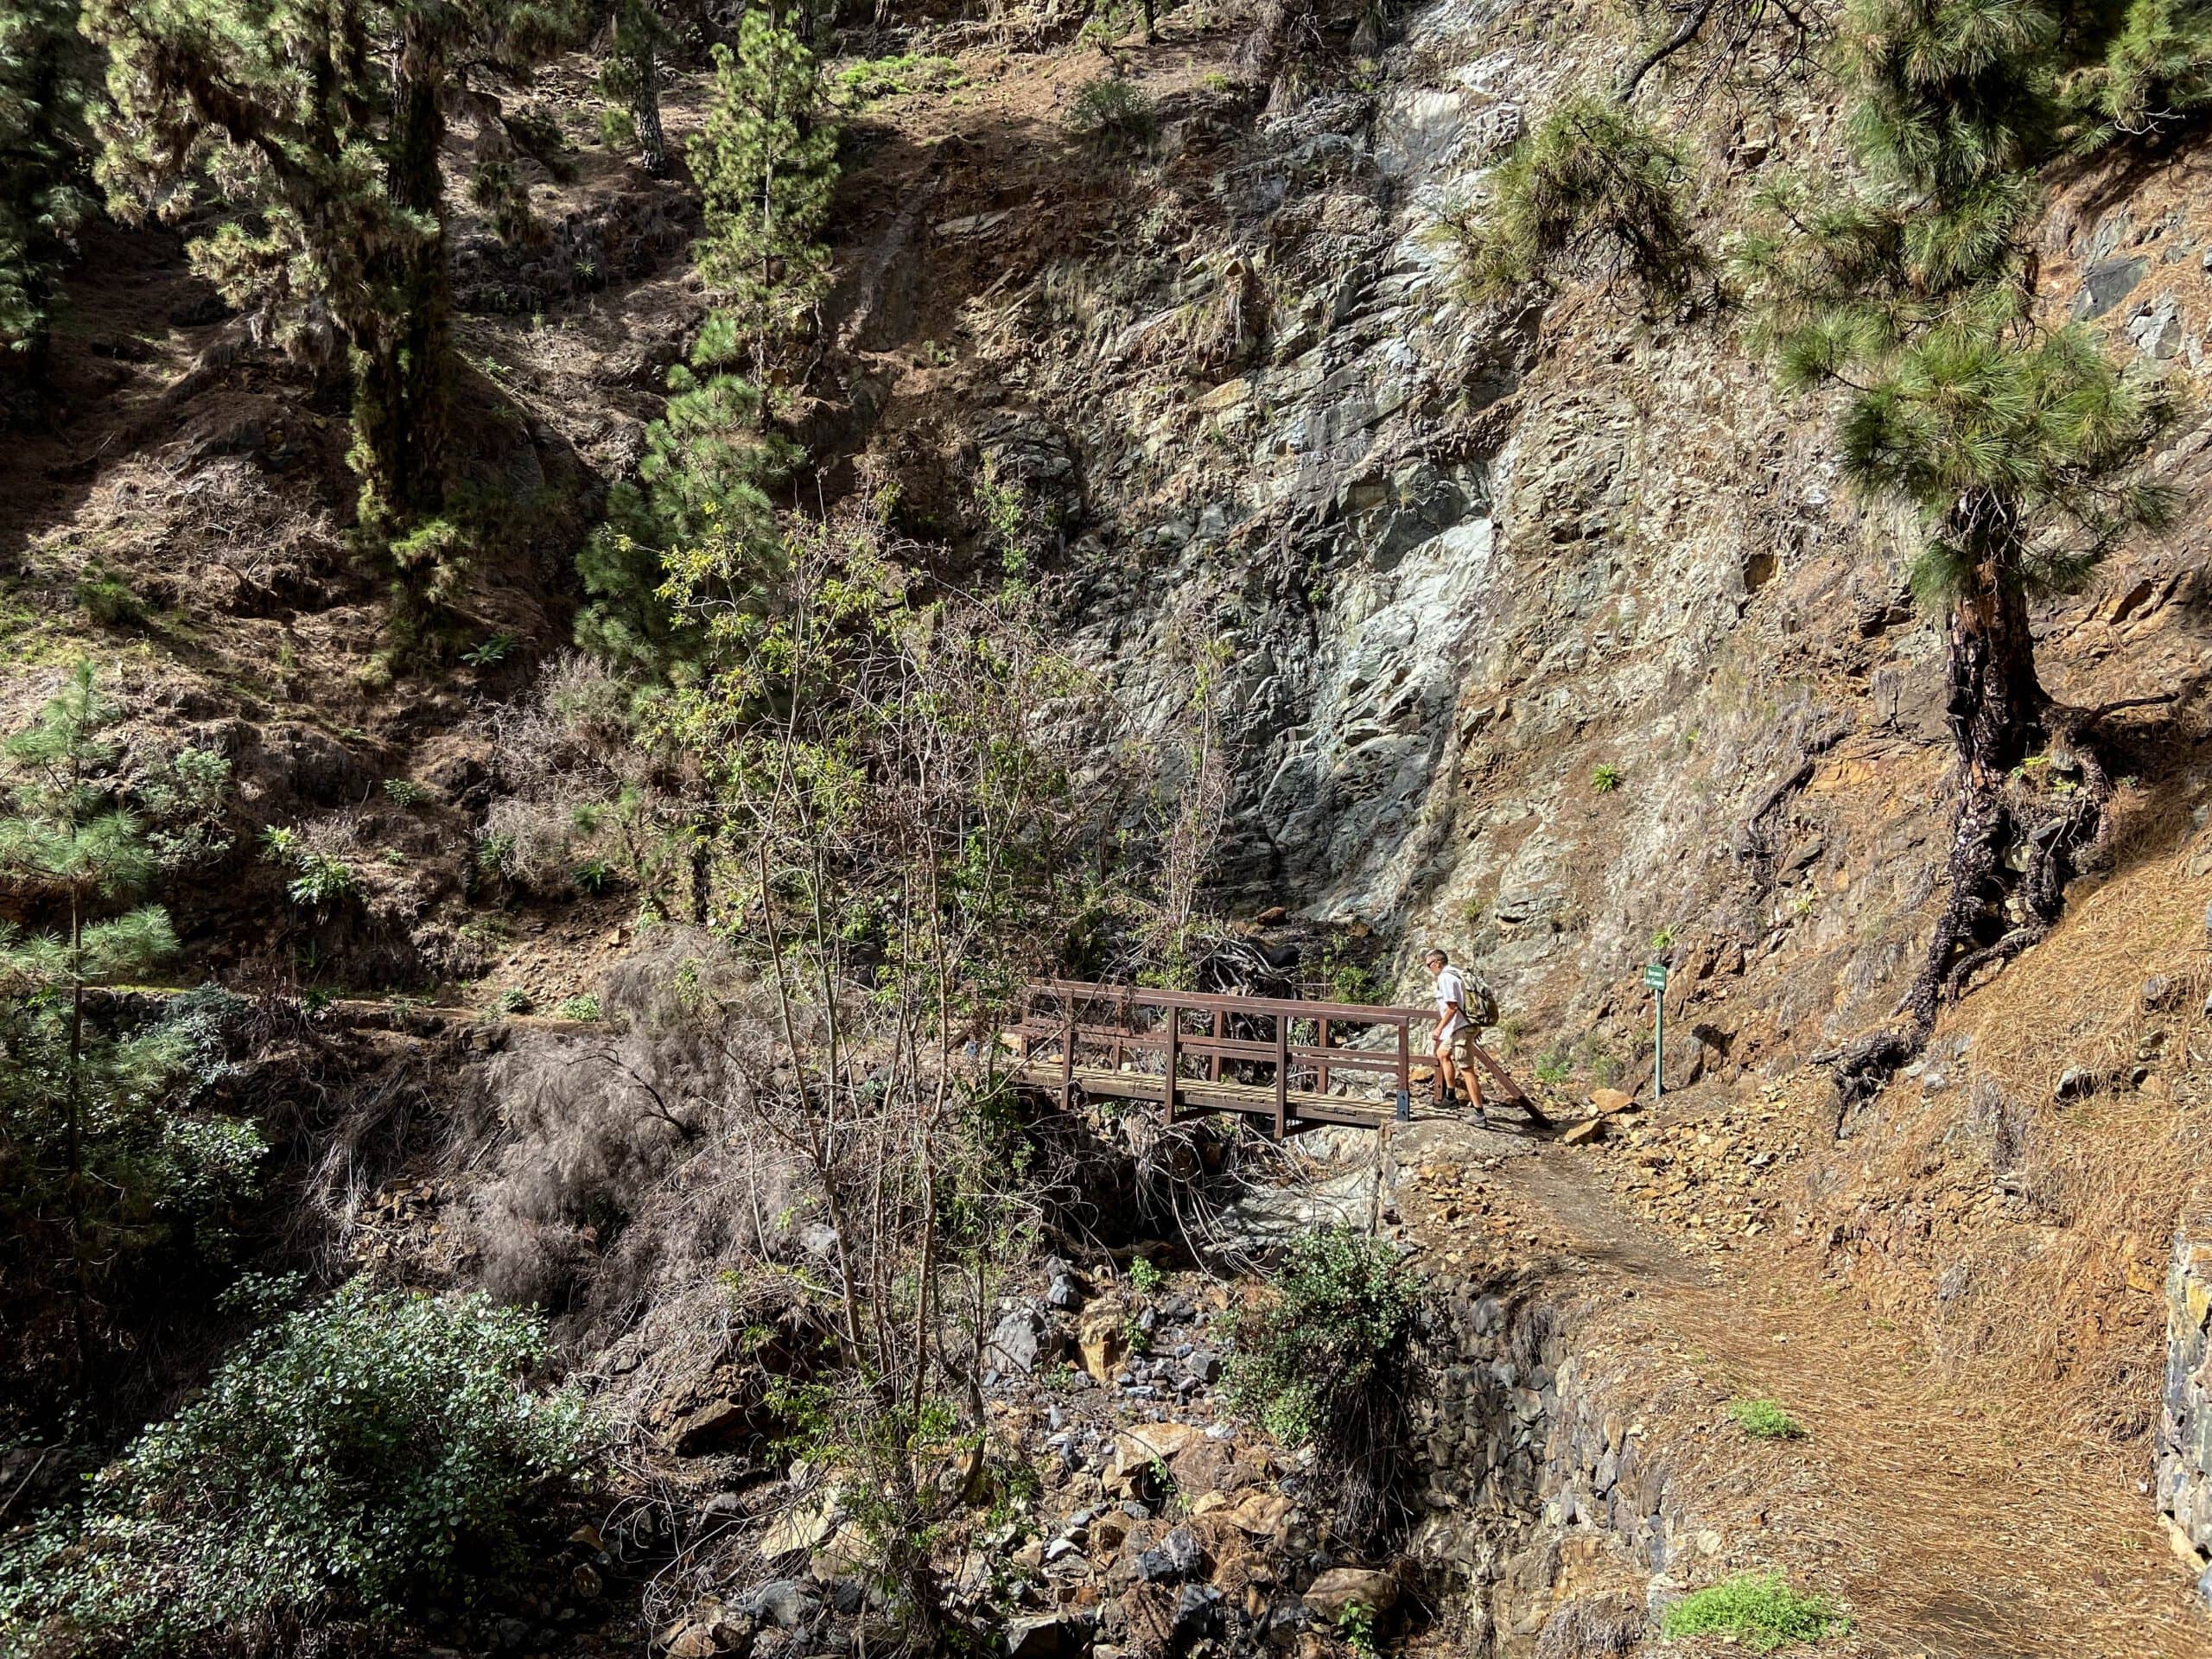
x=1951 y=1527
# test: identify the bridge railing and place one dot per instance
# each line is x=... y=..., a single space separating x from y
x=1279 y=1057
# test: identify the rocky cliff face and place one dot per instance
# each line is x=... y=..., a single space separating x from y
x=1463 y=559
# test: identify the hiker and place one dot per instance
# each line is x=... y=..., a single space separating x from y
x=1455 y=1031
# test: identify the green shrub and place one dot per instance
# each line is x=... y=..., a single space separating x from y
x=1759 y=1609
x=108 y=599
x=514 y=999
x=1591 y=195
x=1113 y=113
x=856 y=85
x=404 y=791
x=585 y=1007
x=493 y=652
x=322 y=879
x=1764 y=1420
x=1325 y=1361
x=318 y=878
x=365 y=1451
x=1553 y=1067
x=1144 y=1276
x=1605 y=779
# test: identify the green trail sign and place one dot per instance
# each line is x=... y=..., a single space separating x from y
x=1655 y=975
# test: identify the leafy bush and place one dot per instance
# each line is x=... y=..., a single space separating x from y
x=404 y=791
x=1759 y=1609
x=1325 y=1362
x=318 y=877
x=1591 y=195
x=1113 y=113
x=585 y=1007
x=1766 y=1420
x=1605 y=779
x=368 y=1450
x=514 y=999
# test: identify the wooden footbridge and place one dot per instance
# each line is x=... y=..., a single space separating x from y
x=1290 y=1063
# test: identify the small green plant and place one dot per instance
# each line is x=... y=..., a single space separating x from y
x=594 y=874
x=1356 y=1628
x=1342 y=975
x=404 y=791
x=318 y=878
x=1605 y=777
x=1553 y=1067
x=514 y=999
x=1759 y=1610
x=1663 y=939
x=1764 y=1420
x=491 y=652
x=108 y=599
x=1144 y=1276
x=582 y=1007
x=1113 y=114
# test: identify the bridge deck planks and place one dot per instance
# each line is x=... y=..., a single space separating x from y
x=1198 y=1093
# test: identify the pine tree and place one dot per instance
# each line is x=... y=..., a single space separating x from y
x=2154 y=74
x=630 y=79
x=314 y=127
x=45 y=75
x=2015 y=445
x=766 y=159
x=766 y=162
x=73 y=852
x=1593 y=193
x=707 y=470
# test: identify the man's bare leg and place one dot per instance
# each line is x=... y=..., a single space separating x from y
x=1447 y=1075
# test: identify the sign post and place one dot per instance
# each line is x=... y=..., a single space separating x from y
x=1655 y=975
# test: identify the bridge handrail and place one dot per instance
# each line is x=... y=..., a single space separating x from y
x=1214 y=1048
x=1370 y=1013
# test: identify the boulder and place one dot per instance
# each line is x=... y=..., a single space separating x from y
x=1343 y=1587
x=1609 y=1100
x=1016 y=1342
x=1053 y=1636
x=785 y=1603
x=1176 y=1557
x=1196 y=1611
x=1590 y=1128
x=1135 y=1450
x=804 y=1526
x=1102 y=1337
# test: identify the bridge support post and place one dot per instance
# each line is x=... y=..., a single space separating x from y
x=1174 y=1059
x=1405 y=1106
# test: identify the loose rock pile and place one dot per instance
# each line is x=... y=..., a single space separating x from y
x=1713 y=1176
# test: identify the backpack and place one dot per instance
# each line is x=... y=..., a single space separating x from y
x=1481 y=1005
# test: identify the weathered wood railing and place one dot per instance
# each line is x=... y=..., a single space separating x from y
x=1285 y=1060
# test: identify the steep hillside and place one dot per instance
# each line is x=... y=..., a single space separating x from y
x=1320 y=613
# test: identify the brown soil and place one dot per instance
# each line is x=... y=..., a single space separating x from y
x=1953 y=1524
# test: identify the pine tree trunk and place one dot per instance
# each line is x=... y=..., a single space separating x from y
x=402 y=336
x=653 y=140
x=1996 y=709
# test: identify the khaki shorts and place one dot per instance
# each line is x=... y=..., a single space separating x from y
x=1461 y=1046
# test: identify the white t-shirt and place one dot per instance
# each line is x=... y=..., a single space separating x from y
x=1450 y=989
